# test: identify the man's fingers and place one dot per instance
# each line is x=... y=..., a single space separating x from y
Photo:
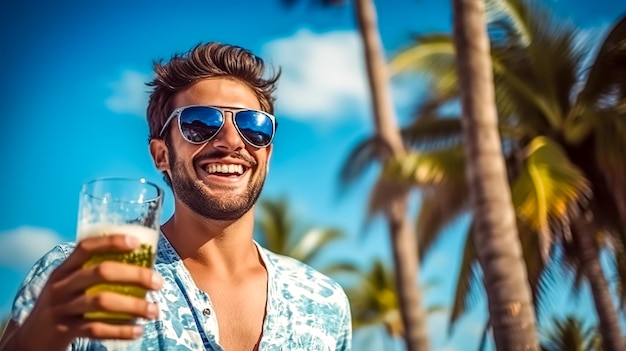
x=86 y=248
x=111 y=272
x=101 y=330
x=112 y=302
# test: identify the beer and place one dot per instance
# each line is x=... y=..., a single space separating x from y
x=120 y=206
x=143 y=256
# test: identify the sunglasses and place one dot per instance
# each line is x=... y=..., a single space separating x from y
x=199 y=124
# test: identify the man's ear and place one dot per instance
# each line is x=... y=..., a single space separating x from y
x=160 y=156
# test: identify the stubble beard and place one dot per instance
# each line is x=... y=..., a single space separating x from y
x=192 y=192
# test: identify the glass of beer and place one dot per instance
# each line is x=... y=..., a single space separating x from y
x=120 y=206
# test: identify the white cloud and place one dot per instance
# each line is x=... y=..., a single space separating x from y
x=129 y=94
x=23 y=246
x=323 y=74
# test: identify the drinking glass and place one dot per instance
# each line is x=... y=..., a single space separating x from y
x=120 y=206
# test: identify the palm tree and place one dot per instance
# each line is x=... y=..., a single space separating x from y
x=374 y=299
x=279 y=232
x=569 y=334
x=564 y=138
x=389 y=197
x=392 y=197
x=495 y=233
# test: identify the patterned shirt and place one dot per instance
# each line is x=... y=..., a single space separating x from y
x=305 y=310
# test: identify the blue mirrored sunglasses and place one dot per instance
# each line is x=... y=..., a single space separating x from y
x=199 y=124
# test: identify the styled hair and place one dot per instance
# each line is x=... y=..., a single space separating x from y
x=208 y=60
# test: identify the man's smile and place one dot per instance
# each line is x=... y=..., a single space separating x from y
x=224 y=169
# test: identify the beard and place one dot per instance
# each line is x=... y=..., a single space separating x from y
x=193 y=193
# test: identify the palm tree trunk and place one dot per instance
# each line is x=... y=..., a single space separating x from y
x=584 y=236
x=497 y=242
x=403 y=241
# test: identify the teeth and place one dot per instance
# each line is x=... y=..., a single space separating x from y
x=224 y=169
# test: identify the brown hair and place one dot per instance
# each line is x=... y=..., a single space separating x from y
x=206 y=61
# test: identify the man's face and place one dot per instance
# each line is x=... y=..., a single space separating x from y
x=223 y=178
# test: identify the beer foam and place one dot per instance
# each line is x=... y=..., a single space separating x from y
x=145 y=235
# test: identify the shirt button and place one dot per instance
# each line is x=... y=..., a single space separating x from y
x=206 y=312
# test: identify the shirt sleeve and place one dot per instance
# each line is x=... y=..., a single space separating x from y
x=35 y=280
x=344 y=340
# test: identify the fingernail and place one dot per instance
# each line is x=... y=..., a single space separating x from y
x=153 y=310
x=157 y=281
x=132 y=241
x=137 y=331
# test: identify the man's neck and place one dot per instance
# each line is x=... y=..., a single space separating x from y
x=222 y=247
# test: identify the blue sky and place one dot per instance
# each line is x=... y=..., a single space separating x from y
x=72 y=93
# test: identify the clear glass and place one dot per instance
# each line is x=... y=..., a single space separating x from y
x=120 y=206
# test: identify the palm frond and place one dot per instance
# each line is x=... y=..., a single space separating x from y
x=570 y=334
x=312 y=242
x=482 y=346
x=610 y=154
x=469 y=282
x=340 y=268
x=571 y=260
x=517 y=111
x=365 y=154
x=514 y=14
x=277 y=230
x=604 y=91
x=374 y=300
x=556 y=77
x=539 y=279
x=547 y=188
x=430 y=168
x=275 y=224
x=385 y=190
x=433 y=133
x=620 y=276
x=537 y=56
x=439 y=207
x=526 y=87
x=566 y=268
x=432 y=53
x=609 y=66
x=610 y=142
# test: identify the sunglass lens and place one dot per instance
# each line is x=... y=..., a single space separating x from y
x=199 y=123
x=256 y=127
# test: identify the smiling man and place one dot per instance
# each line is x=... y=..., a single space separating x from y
x=213 y=287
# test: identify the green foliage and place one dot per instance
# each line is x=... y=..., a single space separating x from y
x=547 y=186
x=374 y=299
x=281 y=233
x=569 y=334
x=563 y=129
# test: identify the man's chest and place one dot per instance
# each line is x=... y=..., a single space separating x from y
x=187 y=326
x=240 y=312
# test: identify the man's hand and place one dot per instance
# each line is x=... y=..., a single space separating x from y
x=57 y=317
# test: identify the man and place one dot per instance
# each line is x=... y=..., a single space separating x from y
x=212 y=288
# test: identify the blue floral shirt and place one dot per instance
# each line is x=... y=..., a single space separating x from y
x=305 y=310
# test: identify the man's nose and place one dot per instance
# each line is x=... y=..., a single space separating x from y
x=228 y=137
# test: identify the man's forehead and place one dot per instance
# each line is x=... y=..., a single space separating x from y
x=218 y=91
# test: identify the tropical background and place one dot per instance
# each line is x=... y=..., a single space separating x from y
x=367 y=172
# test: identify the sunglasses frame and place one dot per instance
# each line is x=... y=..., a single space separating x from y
x=222 y=109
